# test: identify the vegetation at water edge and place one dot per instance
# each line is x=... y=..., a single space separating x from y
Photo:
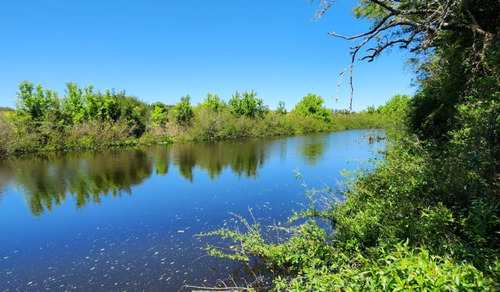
x=85 y=119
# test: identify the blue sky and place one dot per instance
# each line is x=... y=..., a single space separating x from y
x=162 y=50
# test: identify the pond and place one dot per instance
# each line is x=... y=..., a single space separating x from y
x=127 y=219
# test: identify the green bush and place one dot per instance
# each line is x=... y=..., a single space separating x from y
x=183 y=111
x=213 y=103
x=209 y=124
x=159 y=114
x=312 y=106
x=6 y=135
x=246 y=104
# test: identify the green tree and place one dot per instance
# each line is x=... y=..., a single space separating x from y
x=35 y=101
x=311 y=105
x=133 y=111
x=159 y=114
x=371 y=109
x=104 y=107
x=91 y=103
x=73 y=104
x=246 y=104
x=397 y=105
x=281 y=109
x=184 y=113
x=213 y=103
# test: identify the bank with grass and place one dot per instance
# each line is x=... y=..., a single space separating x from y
x=85 y=119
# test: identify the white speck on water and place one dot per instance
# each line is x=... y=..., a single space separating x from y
x=180 y=231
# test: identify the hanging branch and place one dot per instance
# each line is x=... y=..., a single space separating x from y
x=412 y=26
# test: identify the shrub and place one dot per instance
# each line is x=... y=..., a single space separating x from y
x=312 y=106
x=183 y=111
x=159 y=114
x=247 y=105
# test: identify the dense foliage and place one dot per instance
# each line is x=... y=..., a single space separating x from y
x=427 y=217
x=312 y=106
x=85 y=119
x=247 y=104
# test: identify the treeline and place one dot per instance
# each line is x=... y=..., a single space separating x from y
x=86 y=119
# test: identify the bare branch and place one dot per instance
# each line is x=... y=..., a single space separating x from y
x=414 y=27
x=253 y=218
x=375 y=29
x=324 y=5
x=376 y=51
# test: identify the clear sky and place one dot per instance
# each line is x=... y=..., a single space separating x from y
x=160 y=50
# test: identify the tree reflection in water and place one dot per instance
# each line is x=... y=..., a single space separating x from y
x=87 y=177
x=312 y=148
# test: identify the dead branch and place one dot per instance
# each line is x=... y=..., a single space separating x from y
x=412 y=26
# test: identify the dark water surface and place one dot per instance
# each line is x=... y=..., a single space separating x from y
x=126 y=220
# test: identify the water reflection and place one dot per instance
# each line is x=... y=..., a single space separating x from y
x=312 y=149
x=244 y=158
x=87 y=177
x=145 y=240
x=47 y=181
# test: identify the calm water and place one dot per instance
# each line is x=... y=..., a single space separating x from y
x=127 y=219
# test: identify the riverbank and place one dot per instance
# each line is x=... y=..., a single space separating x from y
x=97 y=135
x=84 y=120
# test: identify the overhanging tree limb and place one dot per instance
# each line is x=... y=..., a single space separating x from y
x=414 y=25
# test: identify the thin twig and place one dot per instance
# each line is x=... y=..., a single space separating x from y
x=250 y=210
